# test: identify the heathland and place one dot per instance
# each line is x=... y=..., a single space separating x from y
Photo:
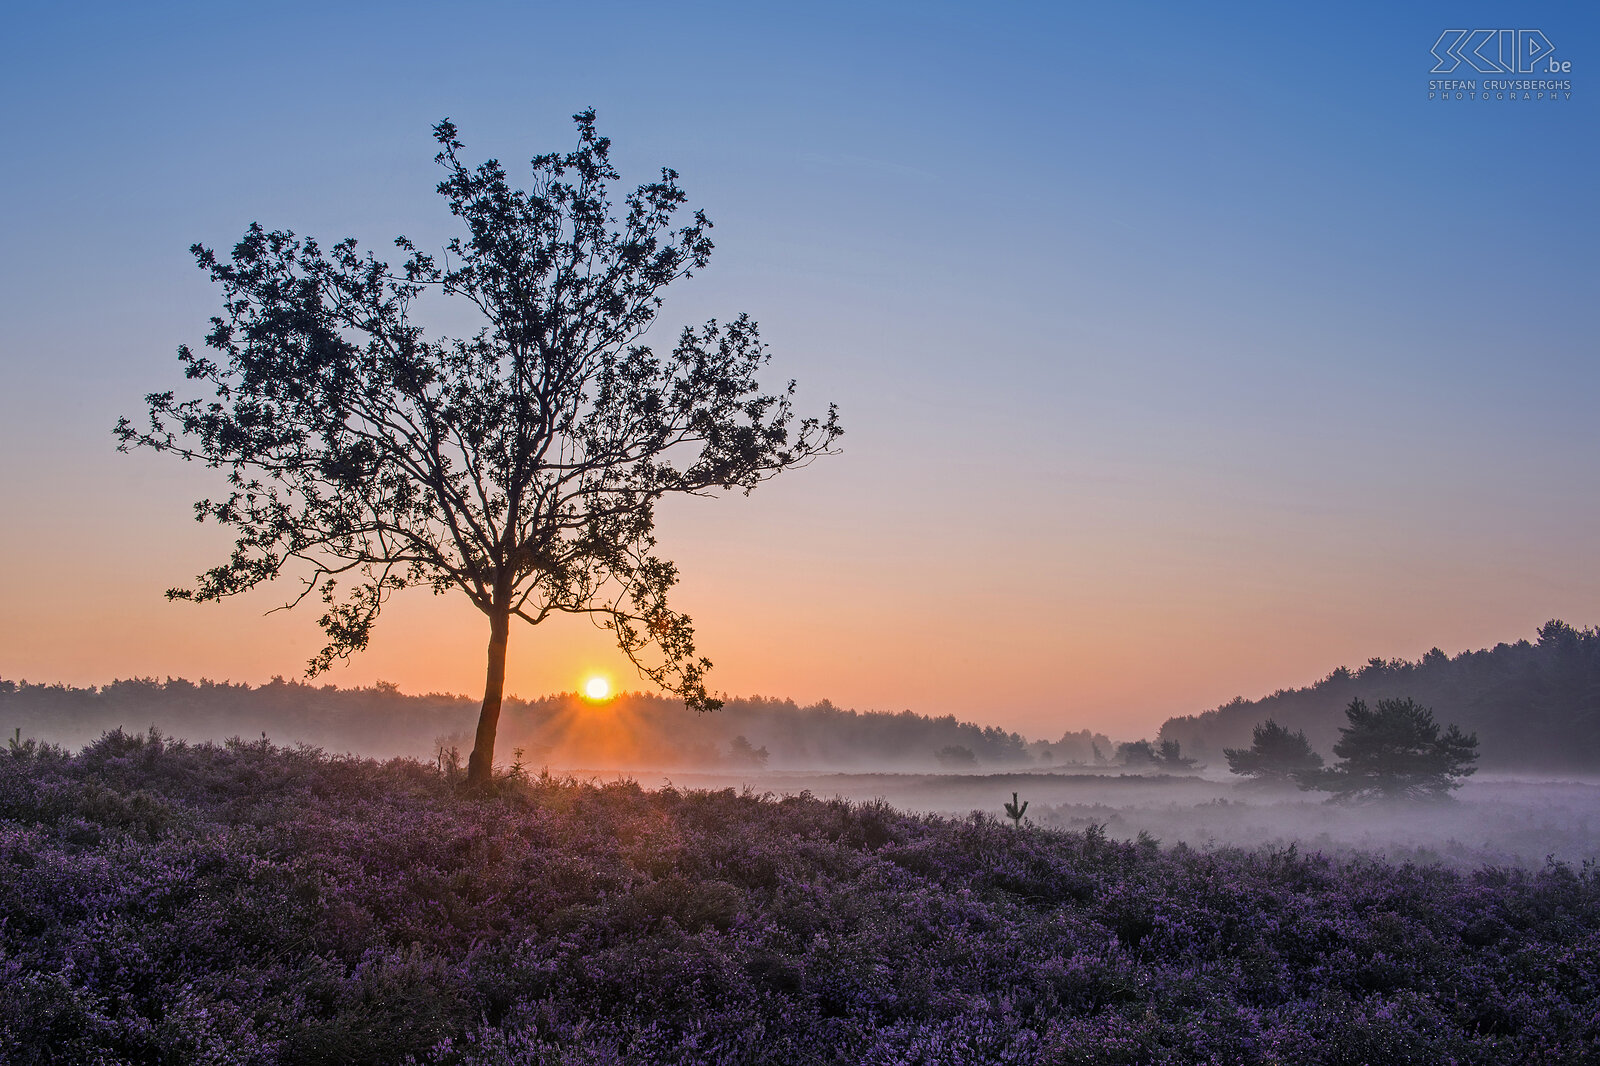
x=242 y=903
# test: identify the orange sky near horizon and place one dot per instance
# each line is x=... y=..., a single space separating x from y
x=1192 y=368
x=1105 y=618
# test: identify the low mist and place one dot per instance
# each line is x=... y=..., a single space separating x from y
x=1494 y=820
x=933 y=765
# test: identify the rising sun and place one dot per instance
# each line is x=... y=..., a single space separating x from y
x=597 y=688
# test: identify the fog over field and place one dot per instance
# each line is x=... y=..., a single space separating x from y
x=1535 y=795
x=1497 y=820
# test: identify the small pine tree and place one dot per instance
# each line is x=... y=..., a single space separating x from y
x=1015 y=811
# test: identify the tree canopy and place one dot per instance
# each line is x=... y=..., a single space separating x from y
x=1168 y=755
x=519 y=465
x=1393 y=751
x=1275 y=755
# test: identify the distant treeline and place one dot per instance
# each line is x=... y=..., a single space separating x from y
x=380 y=721
x=1534 y=706
x=632 y=730
x=651 y=730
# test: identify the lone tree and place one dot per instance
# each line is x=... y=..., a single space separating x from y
x=1137 y=753
x=1396 y=751
x=956 y=757
x=520 y=465
x=1275 y=755
x=1171 y=757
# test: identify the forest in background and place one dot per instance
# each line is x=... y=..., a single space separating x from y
x=632 y=730
x=1535 y=705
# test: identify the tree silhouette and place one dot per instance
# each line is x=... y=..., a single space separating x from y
x=1168 y=756
x=1534 y=705
x=1171 y=757
x=1137 y=753
x=1015 y=811
x=1395 y=751
x=956 y=756
x=520 y=465
x=742 y=753
x=1275 y=755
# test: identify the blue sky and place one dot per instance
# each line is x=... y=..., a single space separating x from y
x=1161 y=333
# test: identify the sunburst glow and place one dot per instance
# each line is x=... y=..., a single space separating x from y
x=597 y=688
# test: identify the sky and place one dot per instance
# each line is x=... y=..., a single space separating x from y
x=1183 y=352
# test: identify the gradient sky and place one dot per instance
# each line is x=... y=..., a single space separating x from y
x=1183 y=352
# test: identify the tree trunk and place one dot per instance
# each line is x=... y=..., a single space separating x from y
x=480 y=766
